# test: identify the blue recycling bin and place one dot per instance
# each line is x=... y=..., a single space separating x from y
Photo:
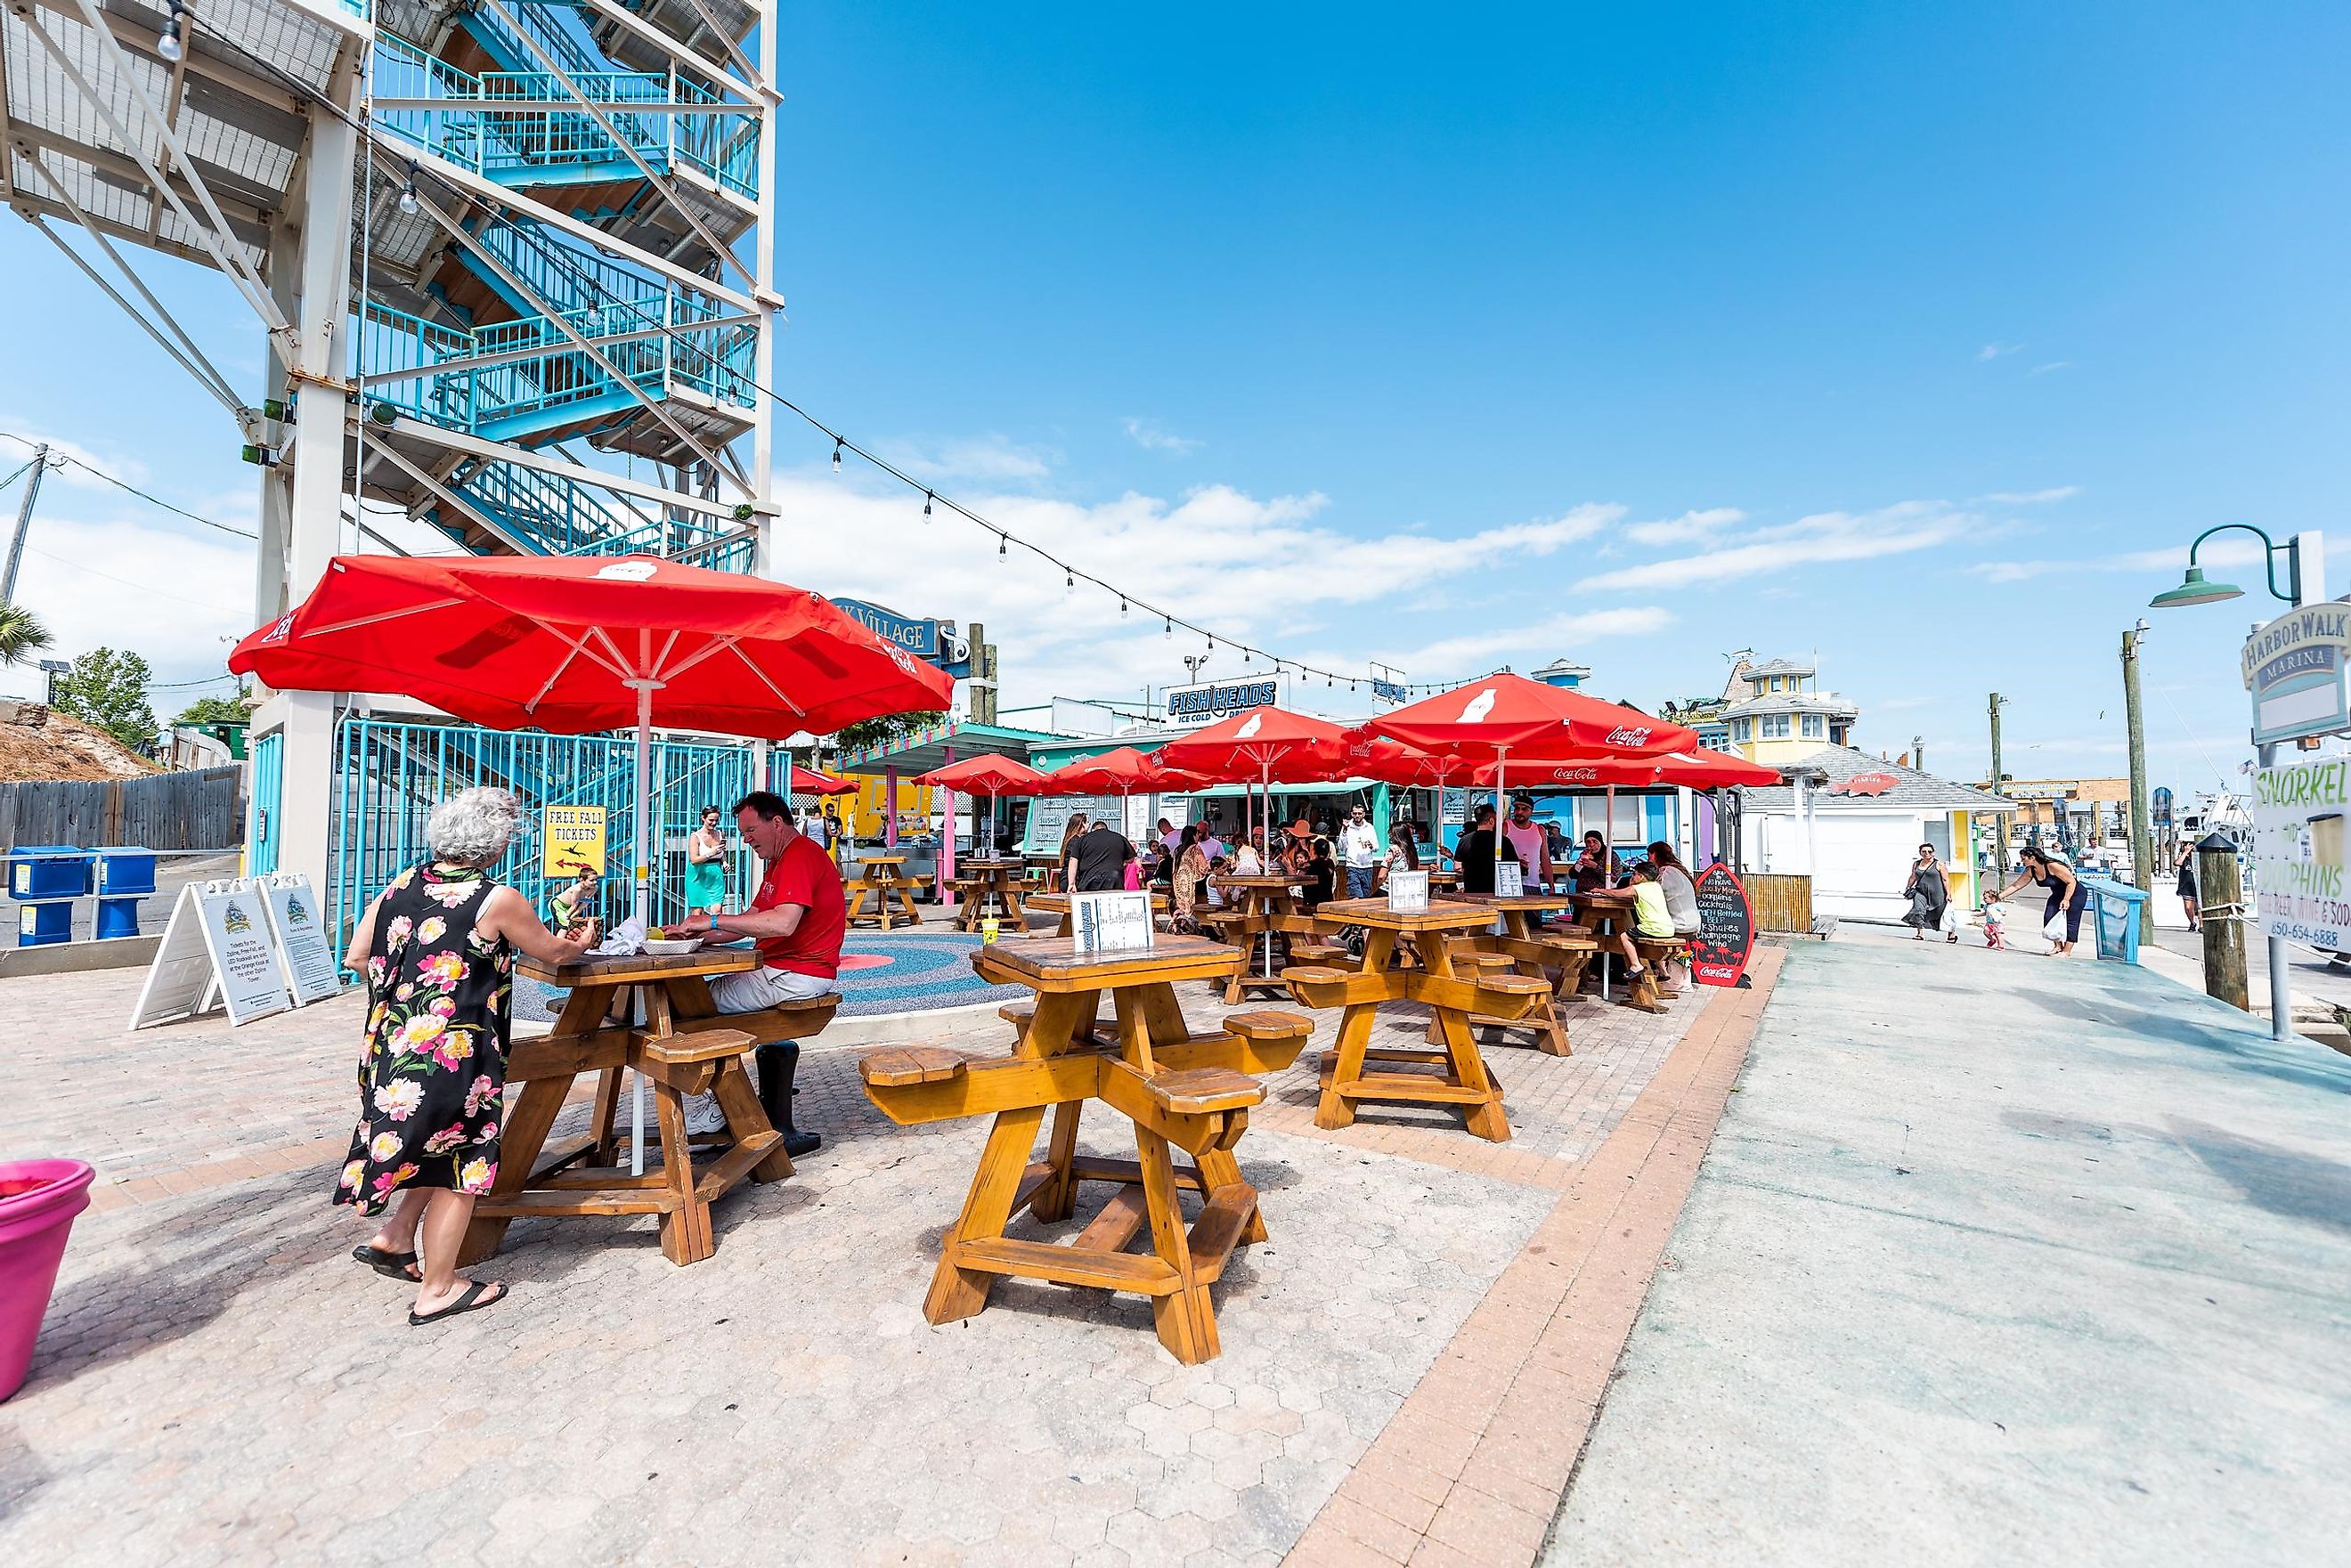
x=48 y=870
x=117 y=917
x=45 y=924
x=128 y=868
x=2115 y=908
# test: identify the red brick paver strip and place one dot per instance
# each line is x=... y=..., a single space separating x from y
x=1473 y=1466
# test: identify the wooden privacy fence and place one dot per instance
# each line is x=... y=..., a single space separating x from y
x=199 y=809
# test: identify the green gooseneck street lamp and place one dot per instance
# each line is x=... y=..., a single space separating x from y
x=2194 y=590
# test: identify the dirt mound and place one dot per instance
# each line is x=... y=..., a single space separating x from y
x=37 y=743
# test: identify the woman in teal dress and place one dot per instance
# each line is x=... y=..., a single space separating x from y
x=437 y=948
x=706 y=865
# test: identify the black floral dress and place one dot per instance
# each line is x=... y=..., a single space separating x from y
x=440 y=1007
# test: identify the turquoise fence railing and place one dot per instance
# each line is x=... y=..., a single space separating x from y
x=268 y=788
x=389 y=776
x=517 y=125
x=542 y=371
x=563 y=516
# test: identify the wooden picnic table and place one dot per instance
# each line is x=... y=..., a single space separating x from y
x=1532 y=952
x=1059 y=903
x=878 y=876
x=1257 y=908
x=1191 y=1092
x=988 y=882
x=683 y=1048
x=1605 y=912
x=1462 y=1080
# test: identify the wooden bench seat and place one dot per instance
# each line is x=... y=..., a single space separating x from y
x=1268 y=1026
x=795 y=1019
x=1200 y=1091
x=894 y=1066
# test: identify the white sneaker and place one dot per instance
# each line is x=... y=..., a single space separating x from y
x=703 y=1115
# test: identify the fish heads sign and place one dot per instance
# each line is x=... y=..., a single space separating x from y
x=1211 y=700
x=2293 y=668
x=932 y=640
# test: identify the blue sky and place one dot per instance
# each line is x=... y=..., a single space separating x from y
x=1915 y=336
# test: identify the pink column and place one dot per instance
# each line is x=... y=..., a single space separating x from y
x=889 y=808
x=947 y=839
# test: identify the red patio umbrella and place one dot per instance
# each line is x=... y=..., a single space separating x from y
x=804 y=782
x=989 y=775
x=1492 y=718
x=573 y=644
x=1698 y=768
x=1266 y=743
x=1120 y=771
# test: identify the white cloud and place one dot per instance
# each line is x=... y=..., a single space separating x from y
x=122 y=465
x=1995 y=351
x=1479 y=651
x=1152 y=437
x=994 y=459
x=1688 y=526
x=169 y=595
x=2052 y=365
x=1823 y=537
x=2034 y=497
x=2167 y=559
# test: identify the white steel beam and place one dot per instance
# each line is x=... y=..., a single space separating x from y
x=513 y=356
x=756 y=92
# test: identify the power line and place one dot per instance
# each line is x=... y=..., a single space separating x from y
x=64 y=459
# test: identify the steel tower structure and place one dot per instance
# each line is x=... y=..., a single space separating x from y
x=513 y=262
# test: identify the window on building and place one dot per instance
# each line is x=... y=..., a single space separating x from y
x=1742 y=729
x=1815 y=727
x=1775 y=726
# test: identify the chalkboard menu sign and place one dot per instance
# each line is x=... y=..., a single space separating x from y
x=1725 y=929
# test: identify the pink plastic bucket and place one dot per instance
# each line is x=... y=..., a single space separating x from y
x=38 y=1201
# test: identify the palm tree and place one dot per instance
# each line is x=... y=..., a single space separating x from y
x=21 y=634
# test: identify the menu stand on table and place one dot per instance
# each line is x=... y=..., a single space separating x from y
x=1462 y=1079
x=684 y=1048
x=1058 y=903
x=1180 y=1089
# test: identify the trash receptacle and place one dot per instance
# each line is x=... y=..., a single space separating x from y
x=2117 y=913
x=48 y=870
x=129 y=868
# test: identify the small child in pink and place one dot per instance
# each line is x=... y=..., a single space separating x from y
x=1995 y=923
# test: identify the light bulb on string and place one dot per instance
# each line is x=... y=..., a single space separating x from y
x=1171 y=626
x=926 y=503
x=1000 y=551
x=1122 y=604
x=409 y=204
x=836 y=455
x=169 y=45
x=1069 y=580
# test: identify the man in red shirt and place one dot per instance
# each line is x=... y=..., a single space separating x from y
x=797 y=919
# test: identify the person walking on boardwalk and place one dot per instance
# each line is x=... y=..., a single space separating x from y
x=1928 y=891
x=438 y=950
x=2188 y=885
x=2067 y=897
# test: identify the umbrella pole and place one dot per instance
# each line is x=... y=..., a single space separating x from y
x=647 y=843
x=1501 y=762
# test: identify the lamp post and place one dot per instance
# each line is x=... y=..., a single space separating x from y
x=2142 y=838
x=2305 y=558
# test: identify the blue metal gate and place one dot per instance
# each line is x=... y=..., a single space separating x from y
x=269 y=787
x=388 y=777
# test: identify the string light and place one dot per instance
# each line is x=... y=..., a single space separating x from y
x=1122 y=604
x=408 y=204
x=926 y=503
x=999 y=545
x=172 y=50
x=836 y=455
x=1068 y=579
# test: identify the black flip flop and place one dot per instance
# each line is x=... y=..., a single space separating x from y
x=391 y=1265
x=471 y=1301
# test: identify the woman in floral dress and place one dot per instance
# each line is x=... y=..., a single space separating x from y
x=437 y=948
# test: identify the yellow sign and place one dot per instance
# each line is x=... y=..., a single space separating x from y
x=572 y=842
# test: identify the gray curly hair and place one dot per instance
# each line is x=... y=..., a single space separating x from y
x=473 y=826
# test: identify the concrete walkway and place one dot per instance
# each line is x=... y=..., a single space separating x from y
x=1993 y=1259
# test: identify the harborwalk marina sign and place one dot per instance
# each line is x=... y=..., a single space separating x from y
x=2294 y=669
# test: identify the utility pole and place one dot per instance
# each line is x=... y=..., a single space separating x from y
x=2142 y=836
x=1999 y=783
x=40 y=465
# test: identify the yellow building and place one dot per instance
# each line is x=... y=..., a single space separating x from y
x=1782 y=718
